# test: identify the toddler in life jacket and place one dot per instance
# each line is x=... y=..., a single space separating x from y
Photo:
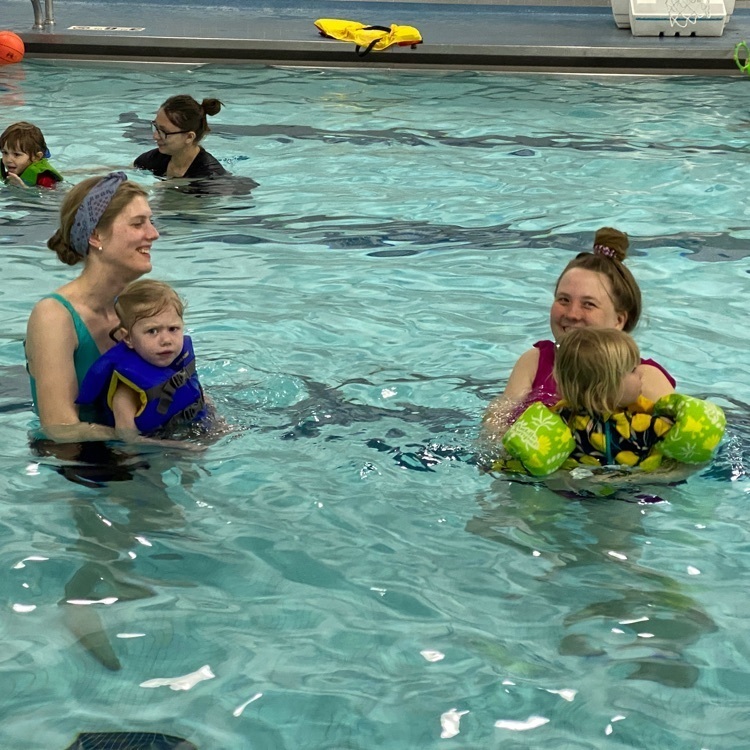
x=147 y=382
x=603 y=420
x=25 y=157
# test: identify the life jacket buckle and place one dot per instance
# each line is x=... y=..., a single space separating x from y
x=169 y=388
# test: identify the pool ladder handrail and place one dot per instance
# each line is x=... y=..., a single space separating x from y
x=48 y=19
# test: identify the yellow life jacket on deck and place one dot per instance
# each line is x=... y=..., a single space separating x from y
x=368 y=38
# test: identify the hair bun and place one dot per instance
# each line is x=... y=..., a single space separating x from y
x=211 y=106
x=613 y=239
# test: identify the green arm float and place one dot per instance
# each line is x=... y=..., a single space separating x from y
x=697 y=430
x=540 y=440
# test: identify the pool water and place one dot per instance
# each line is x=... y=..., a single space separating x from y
x=336 y=573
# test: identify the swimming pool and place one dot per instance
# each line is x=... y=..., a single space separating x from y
x=336 y=573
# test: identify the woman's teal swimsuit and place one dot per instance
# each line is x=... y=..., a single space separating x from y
x=85 y=354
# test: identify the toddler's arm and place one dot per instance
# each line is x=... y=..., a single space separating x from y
x=125 y=404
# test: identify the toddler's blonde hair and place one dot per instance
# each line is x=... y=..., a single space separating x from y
x=144 y=299
x=589 y=367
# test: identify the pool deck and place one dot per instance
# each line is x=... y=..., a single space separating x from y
x=545 y=39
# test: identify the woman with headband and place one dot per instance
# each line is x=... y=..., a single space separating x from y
x=595 y=289
x=105 y=224
x=178 y=129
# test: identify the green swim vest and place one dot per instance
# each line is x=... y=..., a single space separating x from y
x=31 y=174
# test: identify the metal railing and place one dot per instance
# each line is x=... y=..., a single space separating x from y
x=43 y=20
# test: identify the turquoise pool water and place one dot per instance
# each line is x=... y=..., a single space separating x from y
x=336 y=573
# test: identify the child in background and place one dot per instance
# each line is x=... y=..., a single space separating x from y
x=147 y=381
x=24 y=157
x=603 y=419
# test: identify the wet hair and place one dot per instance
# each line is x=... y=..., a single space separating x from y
x=186 y=114
x=608 y=259
x=590 y=364
x=25 y=137
x=144 y=299
x=60 y=240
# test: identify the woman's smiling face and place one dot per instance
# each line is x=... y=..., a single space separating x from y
x=584 y=298
x=128 y=241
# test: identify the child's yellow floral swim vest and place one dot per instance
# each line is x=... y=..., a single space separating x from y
x=682 y=428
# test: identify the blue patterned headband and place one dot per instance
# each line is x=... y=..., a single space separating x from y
x=91 y=209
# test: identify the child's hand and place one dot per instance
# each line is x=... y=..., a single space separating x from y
x=15 y=180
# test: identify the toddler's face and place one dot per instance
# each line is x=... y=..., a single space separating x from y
x=16 y=161
x=630 y=388
x=158 y=339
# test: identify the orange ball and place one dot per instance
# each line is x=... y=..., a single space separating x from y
x=11 y=48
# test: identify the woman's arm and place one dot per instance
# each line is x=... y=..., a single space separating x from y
x=499 y=414
x=50 y=344
x=654 y=382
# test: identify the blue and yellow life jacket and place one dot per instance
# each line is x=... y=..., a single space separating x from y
x=169 y=395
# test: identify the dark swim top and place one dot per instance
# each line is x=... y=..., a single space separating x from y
x=544 y=387
x=204 y=164
x=85 y=354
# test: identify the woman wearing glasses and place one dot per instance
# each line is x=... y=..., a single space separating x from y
x=178 y=129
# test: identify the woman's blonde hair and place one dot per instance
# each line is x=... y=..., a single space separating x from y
x=589 y=367
x=144 y=299
x=60 y=240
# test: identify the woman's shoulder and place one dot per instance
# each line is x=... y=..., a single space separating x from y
x=154 y=161
x=653 y=364
x=205 y=164
x=51 y=327
x=531 y=354
x=655 y=380
x=521 y=379
x=53 y=306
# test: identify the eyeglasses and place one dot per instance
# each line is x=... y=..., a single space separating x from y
x=163 y=133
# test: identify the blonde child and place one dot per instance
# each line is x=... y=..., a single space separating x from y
x=24 y=157
x=147 y=382
x=603 y=419
x=611 y=422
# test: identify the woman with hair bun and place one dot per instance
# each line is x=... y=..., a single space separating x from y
x=178 y=130
x=105 y=225
x=595 y=290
